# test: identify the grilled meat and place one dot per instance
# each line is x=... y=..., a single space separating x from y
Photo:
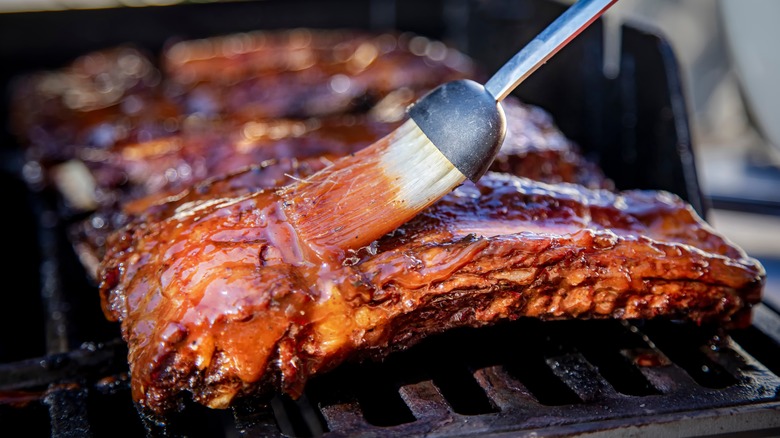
x=203 y=149
x=217 y=297
x=139 y=175
x=304 y=73
x=139 y=134
x=119 y=96
x=215 y=294
x=103 y=98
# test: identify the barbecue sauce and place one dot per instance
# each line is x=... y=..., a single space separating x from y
x=220 y=290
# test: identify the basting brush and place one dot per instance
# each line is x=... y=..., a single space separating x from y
x=453 y=133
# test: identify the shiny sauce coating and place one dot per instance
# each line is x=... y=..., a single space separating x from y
x=218 y=297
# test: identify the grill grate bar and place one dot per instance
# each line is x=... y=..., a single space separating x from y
x=425 y=400
x=255 y=420
x=582 y=377
x=662 y=373
x=767 y=321
x=68 y=411
x=747 y=370
x=344 y=417
x=762 y=339
x=90 y=359
x=504 y=390
x=54 y=302
x=689 y=348
x=723 y=351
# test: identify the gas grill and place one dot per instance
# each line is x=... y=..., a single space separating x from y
x=63 y=367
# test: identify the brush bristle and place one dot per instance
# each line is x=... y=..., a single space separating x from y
x=420 y=171
x=360 y=198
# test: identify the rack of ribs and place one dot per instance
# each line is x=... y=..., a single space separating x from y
x=139 y=174
x=217 y=297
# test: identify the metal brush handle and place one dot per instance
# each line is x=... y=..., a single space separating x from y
x=545 y=45
x=464 y=119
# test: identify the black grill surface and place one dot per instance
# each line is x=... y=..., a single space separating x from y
x=521 y=378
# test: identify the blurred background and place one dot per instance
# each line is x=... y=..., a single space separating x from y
x=729 y=65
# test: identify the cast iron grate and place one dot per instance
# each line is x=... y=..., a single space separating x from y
x=522 y=377
x=571 y=393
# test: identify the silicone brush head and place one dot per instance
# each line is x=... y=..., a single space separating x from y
x=465 y=122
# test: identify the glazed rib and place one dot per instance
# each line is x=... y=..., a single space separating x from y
x=304 y=73
x=120 y=96
x=139 y=175
x=100 y=99
x=216 y=296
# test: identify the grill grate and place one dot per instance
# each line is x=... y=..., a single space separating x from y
x=734 y=380
x=489 y=362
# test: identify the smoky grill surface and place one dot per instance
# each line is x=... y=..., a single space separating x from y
x=462 y=383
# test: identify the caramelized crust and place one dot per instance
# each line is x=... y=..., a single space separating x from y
x=131 y=177
x=103 y=98
x=119 y=96
x=217 y=297
x=204 y=149
x=536 y=149
x=305 y=73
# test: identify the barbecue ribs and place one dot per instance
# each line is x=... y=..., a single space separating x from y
x=139 y=174
x=218 y=298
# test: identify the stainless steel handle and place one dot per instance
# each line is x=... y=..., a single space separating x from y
x=579 y=16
